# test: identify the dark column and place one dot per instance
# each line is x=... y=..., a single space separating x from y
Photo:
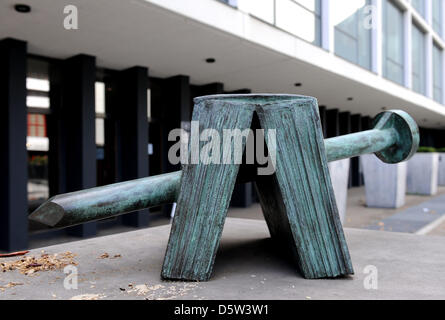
x=13 y=162
x=432 y=137
x=366 y=123
x=345 y=128
x=322 y=110
x=211 y=88
x=426 y=138
x=345 y=122
x=332 y=123
x=238 y=91
x=356 y=123
x=438 y=138
x=112 y=171
x=78 y=121
x=57 y=132
x=133 y=128
x=356 y=179
x=155 y=125
x=243 y=194
x=176 y=113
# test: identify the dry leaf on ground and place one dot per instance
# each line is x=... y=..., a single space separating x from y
x=13 y=254
x=44 y=262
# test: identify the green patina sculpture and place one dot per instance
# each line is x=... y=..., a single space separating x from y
x=297 y=199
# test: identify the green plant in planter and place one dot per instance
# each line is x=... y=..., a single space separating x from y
x=440 y=150
x=427 y=149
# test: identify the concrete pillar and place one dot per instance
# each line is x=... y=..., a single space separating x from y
x=356 y=175
x=133 y=127
x=332 y=123
x=13 y=162
x=77 y=118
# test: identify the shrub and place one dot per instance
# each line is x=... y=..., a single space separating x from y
x=426 y=149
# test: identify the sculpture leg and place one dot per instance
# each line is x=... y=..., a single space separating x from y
x=204 y=197
x=298 y=200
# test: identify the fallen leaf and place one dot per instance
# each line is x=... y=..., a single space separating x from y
x=32 y=264
x=13 y=254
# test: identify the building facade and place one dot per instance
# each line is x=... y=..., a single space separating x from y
x=92 y=88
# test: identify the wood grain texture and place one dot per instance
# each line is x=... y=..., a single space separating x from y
x=298 y=200
x=204 y=197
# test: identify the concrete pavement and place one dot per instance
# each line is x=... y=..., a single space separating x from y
x=248 y=266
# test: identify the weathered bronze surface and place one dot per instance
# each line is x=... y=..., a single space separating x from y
x=107 y=201
x=73 y=208
x=297 y=200
x=395 y=138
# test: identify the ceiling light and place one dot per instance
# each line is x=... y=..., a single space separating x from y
x=22 y=8
x=210 y=60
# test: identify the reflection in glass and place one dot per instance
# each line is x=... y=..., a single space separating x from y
x=437 y=16
x=437 y=74
x=302 y=18
x=352 y=35
x=418 y=60
x=392 y=42
x=419 y=5
x=263 y=9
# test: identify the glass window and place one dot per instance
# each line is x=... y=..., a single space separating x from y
x=37 y=84
x=418 y=60
x=263 y=9
x=300 y=17
x=352 y=38
x=36 y=125
x=231 y=2
x=437 y=74
x=37 y=102
x=437 y=16
x=100 y=113
x=419 y=5
x=100 y=131
x=37 y=142
x=99 y=94
x=392 y=42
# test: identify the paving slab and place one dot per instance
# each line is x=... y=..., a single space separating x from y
x=413 y=218
x=248 y=266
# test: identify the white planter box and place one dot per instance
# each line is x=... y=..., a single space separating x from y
x=423 y=173
x=385 y=184
x=442 y=169
x=339 y=172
